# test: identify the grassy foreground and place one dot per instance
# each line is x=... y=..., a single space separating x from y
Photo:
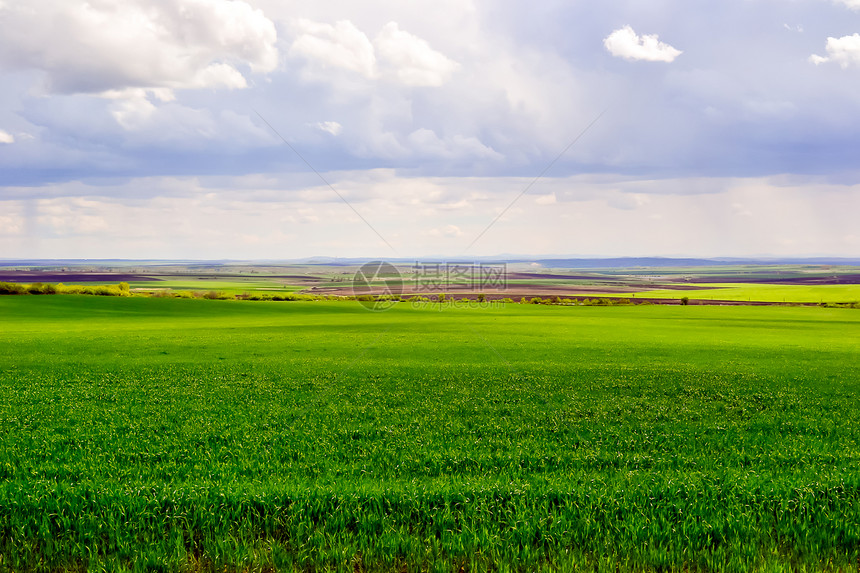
x=163 y=434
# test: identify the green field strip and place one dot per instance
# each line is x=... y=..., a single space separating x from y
x=762 y=293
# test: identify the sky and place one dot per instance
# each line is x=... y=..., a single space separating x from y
x=275 y=129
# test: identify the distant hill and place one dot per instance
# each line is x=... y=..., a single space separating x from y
x=549 y=262
x=628 y=262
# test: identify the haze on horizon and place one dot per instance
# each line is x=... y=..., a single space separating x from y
x=137 y=128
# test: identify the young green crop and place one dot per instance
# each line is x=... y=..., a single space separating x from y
x=763 y=293
x=170 y=434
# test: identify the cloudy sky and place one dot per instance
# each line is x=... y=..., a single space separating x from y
x=279 y=129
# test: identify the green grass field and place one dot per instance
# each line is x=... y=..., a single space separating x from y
x=233 y=285
x=763 y=293
x=191 y=435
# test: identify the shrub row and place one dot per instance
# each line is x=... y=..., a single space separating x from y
x=122 y=289
x=221 y=295
x=568 y=301
x=840 y=304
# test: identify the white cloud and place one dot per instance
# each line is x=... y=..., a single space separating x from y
x=625 y=43
x=547 y=199
x=455 y=205
x=132 y=109
x=11 y=224
x=450 y=231
x=331 y=127
x=852 y=4
x=73 y=216
x=180 y=126
x=412 y=60
x=425 y=142
x=394 y=54
x=6 y=137
x=492 y=100
x=845 y=51
x=303 y=215
x=341 y=45
x=627 y=201
x=740 y=210
x=104 y=46
x=271 y=217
